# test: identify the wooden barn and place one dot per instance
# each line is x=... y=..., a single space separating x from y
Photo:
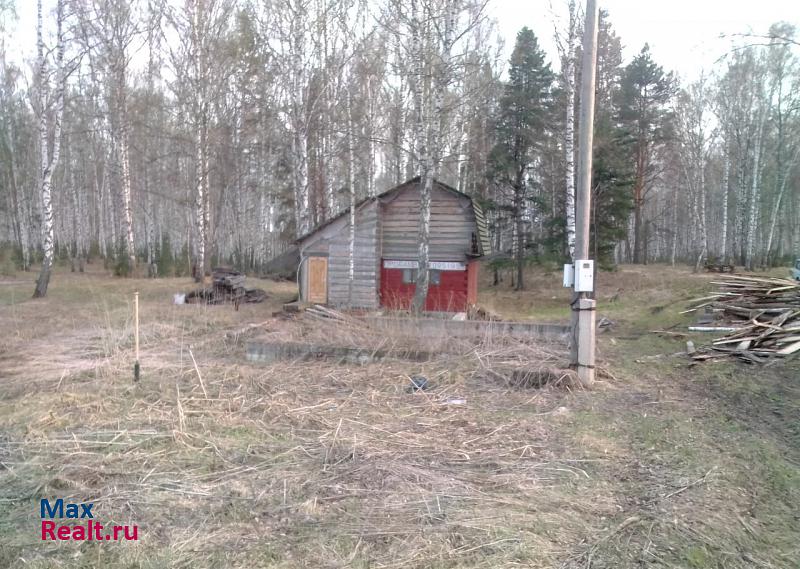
x=386 y=252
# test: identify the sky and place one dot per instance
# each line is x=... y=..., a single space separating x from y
x=684 y=35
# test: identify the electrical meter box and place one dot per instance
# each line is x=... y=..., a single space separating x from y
x=584 y=276
x=569 y=275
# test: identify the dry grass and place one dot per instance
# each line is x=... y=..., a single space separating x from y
x=319 y=464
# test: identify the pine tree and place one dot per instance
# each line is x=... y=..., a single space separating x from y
x=523 y=117
x=612 y=172
x=645 y=93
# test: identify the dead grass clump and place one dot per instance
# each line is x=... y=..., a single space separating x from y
x=527 y=378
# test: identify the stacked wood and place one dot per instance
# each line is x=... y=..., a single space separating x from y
x=765 y=312
x=227 y=278
x=227 y=285
x=719 y=268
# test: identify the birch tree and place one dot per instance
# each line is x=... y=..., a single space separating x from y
x=203 y=73
x=567 y=49
x=764 y=95
x=49 y=135
x=694 y=149
x=111 y=30
x=783 y=73
x=17 y=135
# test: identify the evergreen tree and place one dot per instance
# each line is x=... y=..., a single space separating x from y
x=612 y=181
x=645 y=93
x=523 y=118
x=612 y=172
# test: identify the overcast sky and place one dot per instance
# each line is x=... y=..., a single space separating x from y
x=684 y=35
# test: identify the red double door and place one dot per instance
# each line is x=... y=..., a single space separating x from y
x=449 y=290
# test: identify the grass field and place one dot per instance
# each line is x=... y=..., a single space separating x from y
x=223 y=463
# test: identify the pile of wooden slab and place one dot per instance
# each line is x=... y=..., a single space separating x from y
x=765 y=312
x=227 y=285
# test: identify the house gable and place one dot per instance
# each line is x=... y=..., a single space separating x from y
x=452 y=224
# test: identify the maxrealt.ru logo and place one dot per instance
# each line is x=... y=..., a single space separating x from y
x=81 y=531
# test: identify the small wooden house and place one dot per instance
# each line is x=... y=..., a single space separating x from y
x=386 y=252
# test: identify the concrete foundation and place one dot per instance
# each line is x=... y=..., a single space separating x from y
x=274 y=351
x=478 y=329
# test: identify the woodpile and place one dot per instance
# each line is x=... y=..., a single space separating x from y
x=720 y=268
x=765 y=313
x=227 y=285
x=227 y=278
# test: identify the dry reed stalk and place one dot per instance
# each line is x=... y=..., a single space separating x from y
x=199 y=375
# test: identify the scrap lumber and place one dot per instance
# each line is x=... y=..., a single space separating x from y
x=324 y=313
x=761 y=314
x=227 y=278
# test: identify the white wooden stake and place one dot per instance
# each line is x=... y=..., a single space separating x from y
x=136 y=335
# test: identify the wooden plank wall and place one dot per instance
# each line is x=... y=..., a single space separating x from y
x=367 y=260
x=452 y=226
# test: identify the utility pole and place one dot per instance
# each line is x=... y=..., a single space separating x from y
x=583 y=307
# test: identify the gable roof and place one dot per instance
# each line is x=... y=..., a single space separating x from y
x=480 y=219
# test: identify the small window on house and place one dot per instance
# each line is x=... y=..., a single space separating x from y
x=436 y=277
x=409 y=276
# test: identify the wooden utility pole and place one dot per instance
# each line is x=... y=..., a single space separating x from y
x=583 y=307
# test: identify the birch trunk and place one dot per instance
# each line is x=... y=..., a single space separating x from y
x=300 y=182
x=111 y=204
x=124 y=158
x=421 y=132
x=741 y=209
x=371 y=139
x=755 y=188
x=152 y=264
x=701 y=216
x=201 y=141
x=725 y=177
x=101 y=225
x=569 y=132
x=674 y=249
x=201 y=198
x=430 y=152
x=352 y=192
x=120 y=126
x=48 y=162
x=19 y=211
x=299 y=123
x=73 y=247
x=752 y=220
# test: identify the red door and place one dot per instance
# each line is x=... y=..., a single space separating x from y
x=447 y=291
